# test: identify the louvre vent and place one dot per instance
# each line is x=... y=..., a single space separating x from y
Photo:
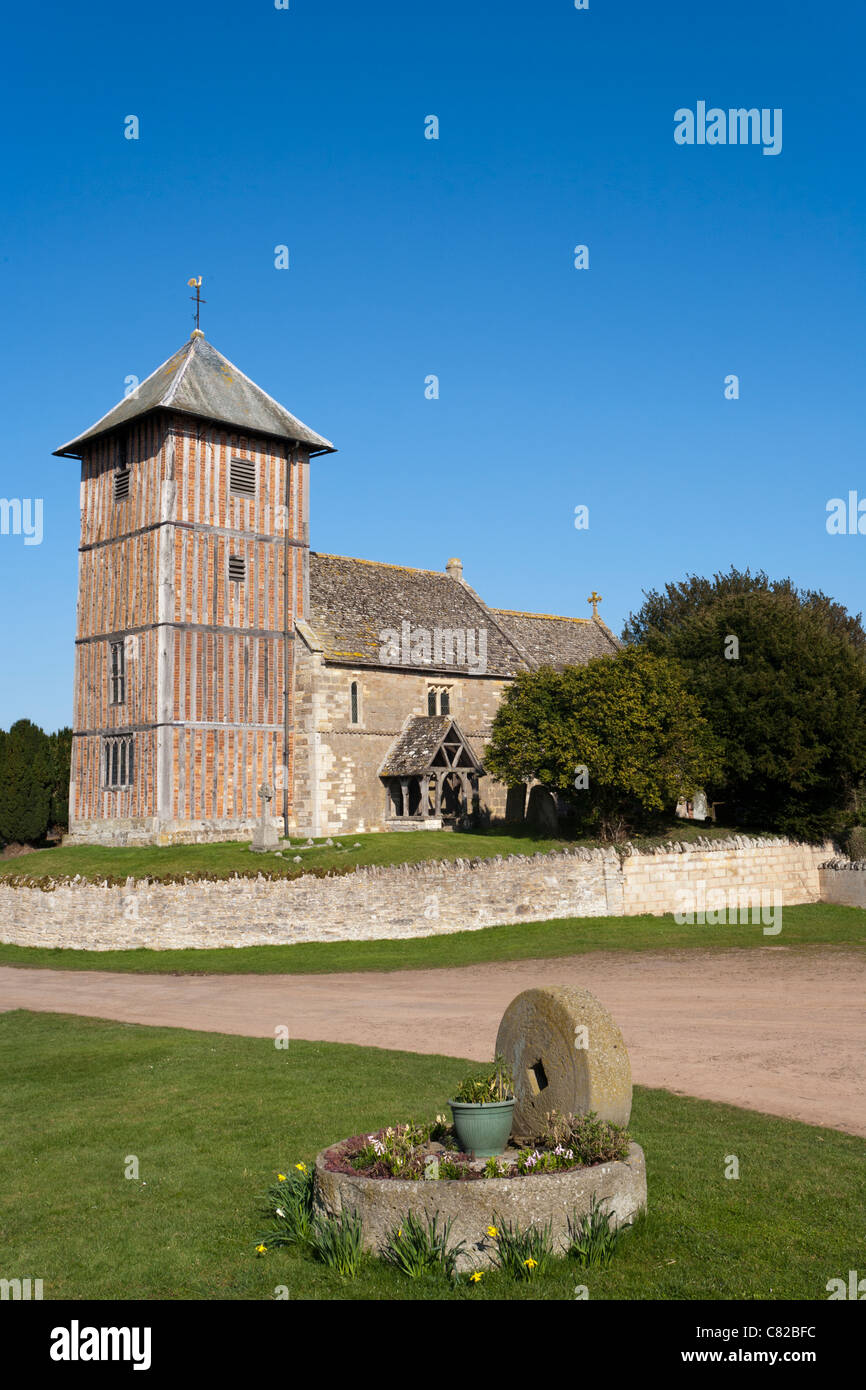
x=242 y=477
x=121 y=484
x=237 y=569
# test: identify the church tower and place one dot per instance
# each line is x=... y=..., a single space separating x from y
x=193 y=569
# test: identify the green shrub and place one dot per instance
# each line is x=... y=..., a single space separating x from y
x=418 y=1247
x=449 y=1170
x=590 y=1139
x=522 y=1253
x=593 y=1238
x=337 y=1242
x=290 y=1203
x=494 y=1169
x=487 y=1086
x=855 y=842
x=399 y=1150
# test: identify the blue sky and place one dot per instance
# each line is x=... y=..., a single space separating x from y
x=454 y=257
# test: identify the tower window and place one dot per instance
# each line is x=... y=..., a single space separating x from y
x=118 y=673
x=121 y=484
x=242 y=477
x=237 y=569
x=439 y=699
x=118 y=761
x=353 y=697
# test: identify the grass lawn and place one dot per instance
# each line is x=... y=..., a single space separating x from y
x=212 y=1118
x=811 y=924
x=175 y=862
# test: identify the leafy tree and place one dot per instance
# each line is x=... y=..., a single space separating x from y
x=25 y=784
x=628 y=719
x=60 y=750
x=780 y=674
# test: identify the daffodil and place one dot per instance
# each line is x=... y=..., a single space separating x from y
x=261 y=1249
x=281 y=1177
x=476 y=1277
x=280 y=1211
x=301 y=1167
x=530 y=1263
x=492 y=1232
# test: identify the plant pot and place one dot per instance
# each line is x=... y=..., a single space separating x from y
x=482 y=1129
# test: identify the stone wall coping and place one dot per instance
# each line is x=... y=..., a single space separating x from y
x=601 y=856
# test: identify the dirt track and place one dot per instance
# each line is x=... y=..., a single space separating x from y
x=772 y=1029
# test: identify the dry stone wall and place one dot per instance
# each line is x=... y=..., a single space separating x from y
x=405 y=901
x=844 y=881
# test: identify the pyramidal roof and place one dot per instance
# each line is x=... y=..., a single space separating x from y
x=198 y=380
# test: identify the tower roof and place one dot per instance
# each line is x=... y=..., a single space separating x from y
x=199 y=381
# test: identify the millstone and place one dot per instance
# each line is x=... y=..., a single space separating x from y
x=567 y=1054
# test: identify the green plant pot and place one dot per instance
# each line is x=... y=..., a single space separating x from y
x=482 y=1130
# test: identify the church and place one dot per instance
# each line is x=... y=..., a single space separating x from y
x=217 y=656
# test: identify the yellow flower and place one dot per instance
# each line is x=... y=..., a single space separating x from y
x=281 y=1177
x=301 y=1167
x=476 y=1277
x=261 y=1249
x=530 y=1263
x=492 y=1232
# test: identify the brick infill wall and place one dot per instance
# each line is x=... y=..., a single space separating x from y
x=407 y=900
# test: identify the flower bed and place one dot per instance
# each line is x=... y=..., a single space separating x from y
x=418 y=1152
x=556 y=1201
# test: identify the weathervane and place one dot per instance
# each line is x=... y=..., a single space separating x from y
x=195 y=283
x=595 y=600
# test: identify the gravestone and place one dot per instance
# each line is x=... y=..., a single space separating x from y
x=541 y=811
x=265 y=838
x=694 y=807
x=567 y=1054
x=515 y=803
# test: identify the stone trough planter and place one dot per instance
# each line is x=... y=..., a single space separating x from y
x=472 y=1205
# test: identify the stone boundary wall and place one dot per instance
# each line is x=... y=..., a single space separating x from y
x=407 y=900
x=843 y=881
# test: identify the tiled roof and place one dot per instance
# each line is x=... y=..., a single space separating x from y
x=354 y=602
x=199 y=381
x=553 y=641
x=414 y=749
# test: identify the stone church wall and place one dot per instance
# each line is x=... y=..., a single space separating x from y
x=411 y=900
x=337 y=787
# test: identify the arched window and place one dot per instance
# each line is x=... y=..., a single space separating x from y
x=353 y=696
x=439 y=699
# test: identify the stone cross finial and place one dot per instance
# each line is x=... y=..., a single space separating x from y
x=265 y=792
x=595 y=600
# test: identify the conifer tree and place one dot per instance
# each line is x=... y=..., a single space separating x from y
x=25 y=784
